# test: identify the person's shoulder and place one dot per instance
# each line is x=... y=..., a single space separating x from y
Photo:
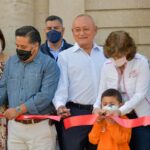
x=108 y=62
x=100 y=47
x=44 y=47
x=139 y=58
x=46 y=61
x=13 y=58
x=66 y=44
x=68 y=51
x=101 y=51
x=43 y=58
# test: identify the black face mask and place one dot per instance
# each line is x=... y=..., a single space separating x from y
x=23 y=55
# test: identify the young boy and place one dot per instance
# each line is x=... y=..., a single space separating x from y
x=107 y=133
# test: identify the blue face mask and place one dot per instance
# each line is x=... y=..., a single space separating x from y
x=54 y=36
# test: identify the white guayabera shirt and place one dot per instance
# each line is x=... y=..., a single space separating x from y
x=80 y=75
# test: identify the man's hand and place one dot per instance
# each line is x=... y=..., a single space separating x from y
x=63 y=111
x=96 y=110
x=11 y=113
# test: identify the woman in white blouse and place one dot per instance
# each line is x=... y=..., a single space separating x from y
x=129 y=73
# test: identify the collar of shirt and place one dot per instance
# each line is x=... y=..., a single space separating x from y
x=77 y=47
x=60 y=48
x=56 y=52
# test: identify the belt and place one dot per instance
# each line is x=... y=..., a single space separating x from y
x=80 y=106
x=31 y=121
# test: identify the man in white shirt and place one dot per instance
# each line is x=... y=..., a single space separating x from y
x=77 y=90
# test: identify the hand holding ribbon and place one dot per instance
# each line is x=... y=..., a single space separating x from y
x=90 y=119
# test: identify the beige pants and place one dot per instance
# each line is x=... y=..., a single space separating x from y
x=38 y=136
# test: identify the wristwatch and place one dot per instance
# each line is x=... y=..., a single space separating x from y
x=18 y=109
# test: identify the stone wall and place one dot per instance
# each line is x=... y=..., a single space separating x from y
x=109 y=15
x=132 y=16
x=13 y=14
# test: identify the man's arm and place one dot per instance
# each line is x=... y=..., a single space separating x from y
x=61 y=94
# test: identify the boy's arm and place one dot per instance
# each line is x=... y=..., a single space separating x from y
x=95 y=133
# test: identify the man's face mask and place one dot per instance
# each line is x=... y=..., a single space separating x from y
x=23 y=54
x=54 y=36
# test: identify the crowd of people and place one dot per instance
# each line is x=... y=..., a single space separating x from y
x=78 y=79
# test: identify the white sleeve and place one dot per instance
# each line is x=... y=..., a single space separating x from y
x=61 y=94
x=142 y=85
x=102 y=87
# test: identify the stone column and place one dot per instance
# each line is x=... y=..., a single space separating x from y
x=41 y=11
x=67 y=10
x=14 y=14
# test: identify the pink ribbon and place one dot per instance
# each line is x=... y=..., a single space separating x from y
x=90 y=119
x=79 y=120
x=132 y=123
x=23 y=117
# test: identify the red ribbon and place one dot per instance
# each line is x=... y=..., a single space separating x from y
x=90 y=119
x=132 y=123
x=79 y=120
x=23 y=117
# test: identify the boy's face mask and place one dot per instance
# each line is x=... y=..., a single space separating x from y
x=110 y=107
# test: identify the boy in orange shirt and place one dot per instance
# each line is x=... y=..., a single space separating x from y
x=107 y=133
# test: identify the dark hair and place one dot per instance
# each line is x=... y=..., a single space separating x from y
x=120 y=42
x=112 y=92
x=53 y=18
x=2 y=40
x=29 y=31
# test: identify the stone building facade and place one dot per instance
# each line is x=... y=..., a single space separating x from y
x=132 y=16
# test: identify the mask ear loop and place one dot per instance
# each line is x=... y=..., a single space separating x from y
x=33 y=46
